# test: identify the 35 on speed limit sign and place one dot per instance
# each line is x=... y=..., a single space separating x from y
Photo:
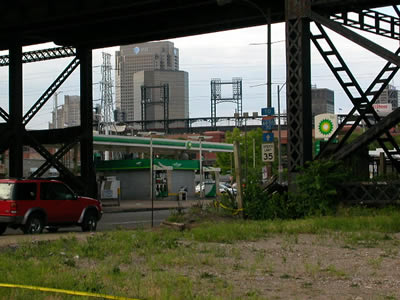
x=268 y=152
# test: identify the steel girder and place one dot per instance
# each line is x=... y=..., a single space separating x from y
x=54 y=160
x=383 y=24
x=16 y=112
x=51 y=90
x=298 y=85
x=29 y=139
x=356 y=38
x=371 y=134
x=15 y=135
x=363 y=101
x=41 y=55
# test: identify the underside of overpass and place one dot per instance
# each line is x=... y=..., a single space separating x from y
x=78 y=26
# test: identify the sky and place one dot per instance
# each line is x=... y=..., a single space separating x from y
x=221 y=55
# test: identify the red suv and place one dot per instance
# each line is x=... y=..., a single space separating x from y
x=33 y=204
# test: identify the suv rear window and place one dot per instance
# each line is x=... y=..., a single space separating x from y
x=18 y=191
x=6 y=190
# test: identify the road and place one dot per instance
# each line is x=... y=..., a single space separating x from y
x=112 y=221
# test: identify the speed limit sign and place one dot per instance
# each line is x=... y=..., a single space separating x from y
x=268 y=152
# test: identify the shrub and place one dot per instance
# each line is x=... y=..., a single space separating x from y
x=317 y=185
x=316 y=194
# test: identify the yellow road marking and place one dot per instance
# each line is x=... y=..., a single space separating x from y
x=60 y=291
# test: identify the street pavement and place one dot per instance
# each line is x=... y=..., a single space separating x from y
x=146 y=205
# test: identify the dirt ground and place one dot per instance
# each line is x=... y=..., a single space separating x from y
x=314 y=267
x=325 y=266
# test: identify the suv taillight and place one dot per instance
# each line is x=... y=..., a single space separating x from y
x=13 y=207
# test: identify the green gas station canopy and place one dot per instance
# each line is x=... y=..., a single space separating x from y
x=132 y=144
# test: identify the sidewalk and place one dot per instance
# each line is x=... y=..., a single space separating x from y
x=145 y=205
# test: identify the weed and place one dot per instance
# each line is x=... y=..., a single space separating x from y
x=206 y=275
x=285 y=276
x=390 y=252
x=312 y=269
x=284 y=259
x=333 y=271
x=237 y=267
x=375 y=263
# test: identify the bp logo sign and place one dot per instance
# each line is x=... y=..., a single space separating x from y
x=325 y=125
x=188 y=145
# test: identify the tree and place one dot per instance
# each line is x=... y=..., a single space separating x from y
x=225 y=160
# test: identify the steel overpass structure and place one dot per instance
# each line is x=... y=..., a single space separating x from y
x=79 y=26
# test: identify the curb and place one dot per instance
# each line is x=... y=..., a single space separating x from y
x=124 y=210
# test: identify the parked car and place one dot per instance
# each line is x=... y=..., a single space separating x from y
x=226 y=187
x=35 y=204
x=223 y=188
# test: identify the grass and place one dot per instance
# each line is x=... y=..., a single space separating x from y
x=167 y=264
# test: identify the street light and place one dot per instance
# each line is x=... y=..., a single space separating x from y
x=150 y=134
x=279 y=134
x=201 y=138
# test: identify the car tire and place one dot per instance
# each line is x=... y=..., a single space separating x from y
x=89 y=222
x=3 y=228
x=34 y=224
x=52 y=229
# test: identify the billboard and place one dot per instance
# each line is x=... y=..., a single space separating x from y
x=383 y=109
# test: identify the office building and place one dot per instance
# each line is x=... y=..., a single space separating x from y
x=390 y=95
x=323 y=101
x=178 y=96
x=68 y=114
x=135 y=58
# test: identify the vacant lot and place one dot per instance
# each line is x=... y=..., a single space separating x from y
x=346 y=257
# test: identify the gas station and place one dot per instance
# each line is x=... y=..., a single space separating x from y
x=130 y=179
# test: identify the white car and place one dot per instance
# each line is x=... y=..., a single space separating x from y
x=223 y=188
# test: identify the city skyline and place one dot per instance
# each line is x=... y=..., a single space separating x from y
x=216 y=55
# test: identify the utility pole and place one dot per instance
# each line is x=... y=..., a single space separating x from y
x=269 y=93
x=238 y=167
x=55 y=125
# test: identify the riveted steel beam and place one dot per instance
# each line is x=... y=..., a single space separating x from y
x=298 y=84
x=41 y=55
x=356 y=38
x=361 y=100
x=370 y=21
x=16 y=110
x=50 y=91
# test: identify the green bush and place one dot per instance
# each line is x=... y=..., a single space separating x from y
x=316 y=194
x=317 y=186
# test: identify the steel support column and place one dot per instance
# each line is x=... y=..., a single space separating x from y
x=16 y=111
x=86 y=143
x=298 y=85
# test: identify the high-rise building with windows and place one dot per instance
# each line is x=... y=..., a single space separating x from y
x=162 y=56
x=153 y=107
x=390 y=95
x=68 y=114
x=323 y=101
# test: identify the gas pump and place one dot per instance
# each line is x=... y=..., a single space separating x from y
x=211 y=187
x=161 y=180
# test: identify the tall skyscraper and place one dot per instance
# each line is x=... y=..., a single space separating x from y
x=140 y=57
